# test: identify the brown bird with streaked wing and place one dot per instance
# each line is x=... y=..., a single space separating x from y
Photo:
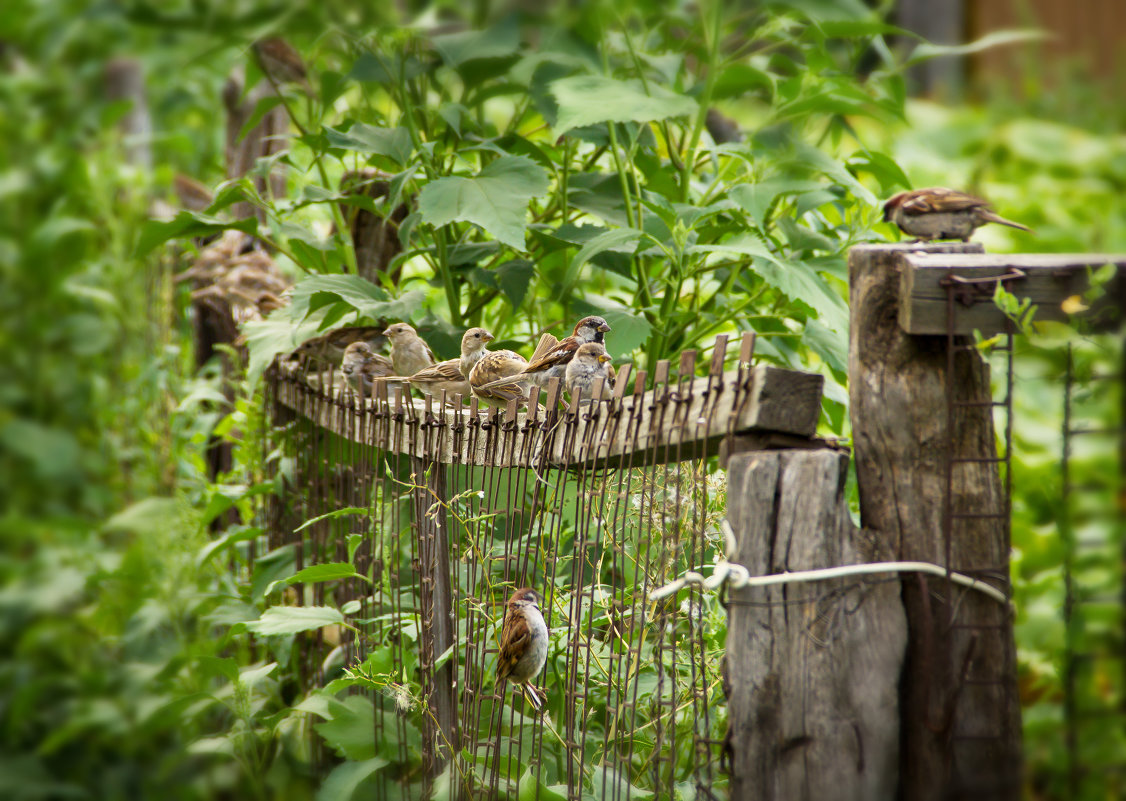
x=941 y=213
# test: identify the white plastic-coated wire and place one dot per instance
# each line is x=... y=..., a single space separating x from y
x=738 y=576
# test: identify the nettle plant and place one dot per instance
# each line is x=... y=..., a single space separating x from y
x=553 y=171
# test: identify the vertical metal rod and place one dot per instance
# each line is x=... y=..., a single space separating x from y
x=1067 y=534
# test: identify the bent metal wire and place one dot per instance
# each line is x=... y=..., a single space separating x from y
x=592 y=505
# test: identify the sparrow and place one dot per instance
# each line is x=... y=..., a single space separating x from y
x=330 y=346
x=591 y=363
x=450 y=375
x=553 y=363
x=487 y=379
x=280 y=61
x=523 y=643
x=940 y=213
x=360 y=365
x=409 y=353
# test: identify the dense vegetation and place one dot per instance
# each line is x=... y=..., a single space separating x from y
x=123 y=673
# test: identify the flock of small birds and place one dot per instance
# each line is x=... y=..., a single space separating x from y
x=494 y=377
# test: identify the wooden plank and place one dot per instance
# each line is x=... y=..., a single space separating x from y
x=1046 y=279
x=813 y=699
x=696 y=413
x=901 y=432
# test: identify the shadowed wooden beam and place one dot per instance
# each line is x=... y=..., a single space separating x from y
x=1054 y=282
x=647 y=427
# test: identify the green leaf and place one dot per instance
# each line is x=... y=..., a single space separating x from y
x=346 y=511
x=756 y=199
x=513 y=278
x=327 y=571
x=349 y=727
x=928 y=50
x=294 y=619
x=281 y=332
x=394 y=143
x=529 y=789
x=346 y=778
x=188 y=224
x=145 y=516
x=628 y=331
x=590 y=99
x=499 y=41
x=615 y=240
x=608 y=783
x=496 y=199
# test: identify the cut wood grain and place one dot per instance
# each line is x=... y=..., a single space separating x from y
x=1048 y=280
x=813 y=702
x=897 y=390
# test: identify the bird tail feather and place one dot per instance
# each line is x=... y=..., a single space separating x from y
x=989 y=216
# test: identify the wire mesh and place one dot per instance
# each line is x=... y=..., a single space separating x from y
x=592 y=504
x=1092 y=526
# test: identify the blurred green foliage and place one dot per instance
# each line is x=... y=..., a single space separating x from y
x=120 y=673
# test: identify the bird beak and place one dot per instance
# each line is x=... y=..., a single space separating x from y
x=387 y=332
x=604 y=328
x=602 y=359
x=487 y=337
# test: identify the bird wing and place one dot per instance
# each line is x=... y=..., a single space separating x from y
x=449 y=370
x=940 y=200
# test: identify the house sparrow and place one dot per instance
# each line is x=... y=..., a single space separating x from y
x=553 y=363
x=330 y=346
x=486 y=379
x=591 y=363
x=280 y=61
x=361 y=365
x=450 y=375
x=409 y=353
x=523 y=643
x=940 y=213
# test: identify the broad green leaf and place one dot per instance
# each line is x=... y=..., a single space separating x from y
x=252 y=675
x=499 y=41
x=188 y=224
x=346 y=778
x=513 y=278
x=294 y=619
x=608 y=783
x=628 y=331
x=757 y=198
x=590 y=99
x=810 y=156
x=616 y=240
x=530 y=789
x=928 y=50
x=281 y=332
x=394 y=143
x=496 y=199
x=832 y=346
x=349 y=729
x=145 y=516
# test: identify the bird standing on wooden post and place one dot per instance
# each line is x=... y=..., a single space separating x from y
x=940 y=213
x=409 y=352
x=523 y=643
x=361 y=365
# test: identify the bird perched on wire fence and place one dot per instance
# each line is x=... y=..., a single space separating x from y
x=940 y=213
x=450 y=375
x=551 y=362
x=361 y=366
x=523 y=643
x=409 y=352
x=590 y=365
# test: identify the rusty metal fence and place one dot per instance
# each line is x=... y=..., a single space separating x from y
x=447 y=508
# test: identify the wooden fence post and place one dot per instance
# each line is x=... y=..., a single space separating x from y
x=431 y=520
x=812 y=668
x=960 y=728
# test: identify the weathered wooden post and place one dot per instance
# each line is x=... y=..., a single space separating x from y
x=959 y=711
x=813 y=668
